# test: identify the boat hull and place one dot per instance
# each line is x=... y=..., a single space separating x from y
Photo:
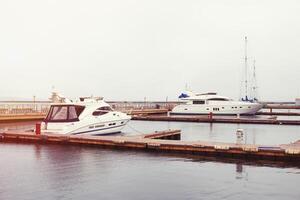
x=93 y=130
x=237 y=109
x=93 y=126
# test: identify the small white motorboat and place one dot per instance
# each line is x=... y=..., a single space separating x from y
x=89 y=115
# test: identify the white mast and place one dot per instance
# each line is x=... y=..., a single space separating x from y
x=254 y=87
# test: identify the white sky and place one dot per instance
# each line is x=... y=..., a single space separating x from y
x=131 y=49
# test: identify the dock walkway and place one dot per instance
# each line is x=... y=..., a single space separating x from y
x=161 y=142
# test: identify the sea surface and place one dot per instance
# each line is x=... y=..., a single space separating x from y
x=193 y=131
x=34 y=171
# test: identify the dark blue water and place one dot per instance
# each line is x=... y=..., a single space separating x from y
x=31 y=171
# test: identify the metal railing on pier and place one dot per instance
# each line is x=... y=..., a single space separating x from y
x=23 y=107
x=42 y=107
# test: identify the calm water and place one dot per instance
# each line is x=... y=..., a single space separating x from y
x=31 y=171
x=253 y=134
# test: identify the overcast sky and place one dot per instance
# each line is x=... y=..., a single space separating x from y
x=131 y=49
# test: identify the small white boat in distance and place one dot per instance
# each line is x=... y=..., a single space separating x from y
x=89 y=115
x=212 y=103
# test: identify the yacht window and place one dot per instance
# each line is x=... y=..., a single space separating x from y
x=102 y=110
x=100 y=125
x=198 y=102
x=98 y=113
x=218 y=99
x=107 y=108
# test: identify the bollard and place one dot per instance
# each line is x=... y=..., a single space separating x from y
x=210 y=116
x=38 y=128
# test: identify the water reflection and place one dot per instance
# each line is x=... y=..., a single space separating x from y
x=240 y=136
x=211 y=132
x=241 y=173
x=37 y=151
x=75 y=172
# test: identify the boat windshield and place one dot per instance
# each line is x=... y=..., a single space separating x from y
x=64 y=113
x=102 y=110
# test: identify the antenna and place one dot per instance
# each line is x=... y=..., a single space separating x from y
x=246 y=71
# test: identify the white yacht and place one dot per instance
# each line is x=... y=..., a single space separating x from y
x=212 y=103
x=90 y=116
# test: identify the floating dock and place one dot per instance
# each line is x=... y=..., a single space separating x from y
x=145 y=111
x=162 y=142
x=278 y=113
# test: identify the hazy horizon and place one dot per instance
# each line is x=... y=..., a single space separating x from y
x=128 y=49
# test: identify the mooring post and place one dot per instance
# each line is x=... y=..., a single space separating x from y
x=38 y=128
x=210 y=116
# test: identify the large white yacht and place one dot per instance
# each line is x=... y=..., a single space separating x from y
x=89 y=115
x=212 y=103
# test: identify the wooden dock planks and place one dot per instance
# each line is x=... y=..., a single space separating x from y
x=153 y=142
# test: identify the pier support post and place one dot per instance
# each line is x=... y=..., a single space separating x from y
x=38 y=128
x=210 y=116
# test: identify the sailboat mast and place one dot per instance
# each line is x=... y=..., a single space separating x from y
x=254 y=82
x=246 y=70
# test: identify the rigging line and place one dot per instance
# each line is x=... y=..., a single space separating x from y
x=131 y=126
x=135 y=129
